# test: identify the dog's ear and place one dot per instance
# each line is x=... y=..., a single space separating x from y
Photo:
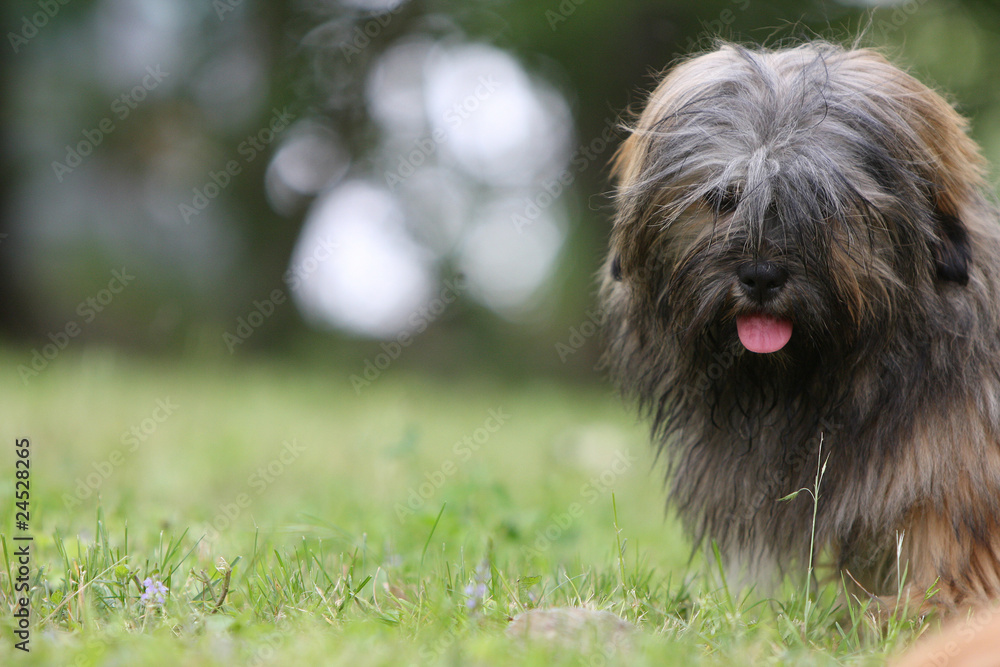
x=955 y=167
x=941 y=152
x=952 y=253
x=616 y=267
x=957 y=178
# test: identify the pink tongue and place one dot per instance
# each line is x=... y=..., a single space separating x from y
x=762 y=333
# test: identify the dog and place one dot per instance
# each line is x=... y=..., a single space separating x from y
x=802 y=291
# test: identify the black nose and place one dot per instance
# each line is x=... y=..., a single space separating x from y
x=762 y=281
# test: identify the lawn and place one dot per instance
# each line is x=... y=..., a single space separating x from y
x=293 y=521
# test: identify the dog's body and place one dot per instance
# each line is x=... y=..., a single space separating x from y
x=804 y=252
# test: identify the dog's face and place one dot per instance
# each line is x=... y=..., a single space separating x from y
x=788 y=208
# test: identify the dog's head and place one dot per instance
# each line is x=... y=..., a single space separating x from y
x=787 y=205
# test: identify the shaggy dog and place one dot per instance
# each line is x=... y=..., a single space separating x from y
x=803 y=280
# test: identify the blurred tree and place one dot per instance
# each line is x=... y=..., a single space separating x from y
x=317 y=58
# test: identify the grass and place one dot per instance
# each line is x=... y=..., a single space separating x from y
x=295 y=522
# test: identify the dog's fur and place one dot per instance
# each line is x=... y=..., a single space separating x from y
x=862 y=185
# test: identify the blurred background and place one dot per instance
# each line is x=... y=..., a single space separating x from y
x=363 y=182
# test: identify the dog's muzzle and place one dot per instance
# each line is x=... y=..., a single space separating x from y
x=760 y=332
x=761 y=281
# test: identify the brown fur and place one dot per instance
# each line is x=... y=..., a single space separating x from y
x=862 y=183
x=968 y=642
